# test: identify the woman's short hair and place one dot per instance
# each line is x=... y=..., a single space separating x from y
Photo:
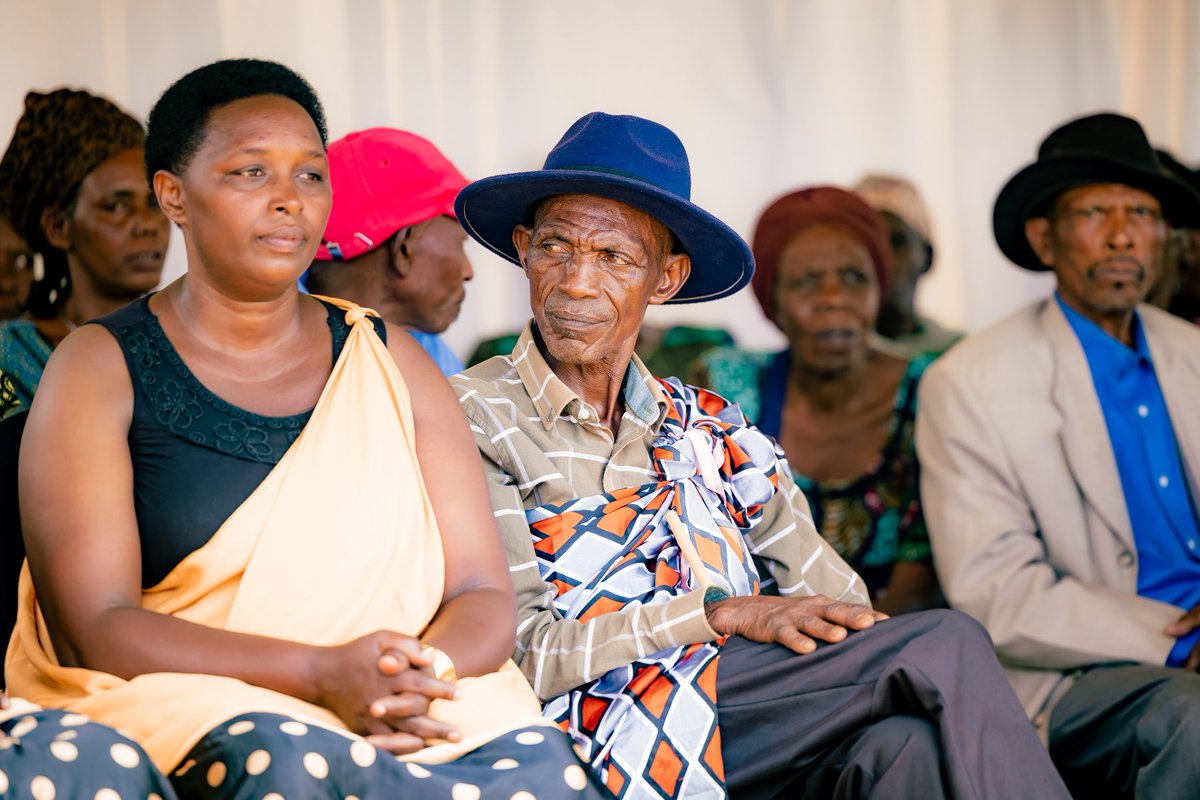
x=176 y=127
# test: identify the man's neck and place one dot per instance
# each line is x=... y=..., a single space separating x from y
x=600 y=385
x=1118 y=324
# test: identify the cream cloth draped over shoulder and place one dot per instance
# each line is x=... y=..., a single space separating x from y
x=338 y=541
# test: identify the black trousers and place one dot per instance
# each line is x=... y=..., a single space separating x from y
x=915 y=707
x=1127 y=731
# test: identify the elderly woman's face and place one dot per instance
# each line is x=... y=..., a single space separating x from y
x=594 y=265
x=16 y=270
x=827 y=296
x=118 y=236
x=254 y=199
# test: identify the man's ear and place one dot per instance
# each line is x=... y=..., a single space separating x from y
x=929 y=253
x=522 y=236
x=1041 y=239
x=168 y=189
x=399 y=261
x=56 y=224
x=675 y=271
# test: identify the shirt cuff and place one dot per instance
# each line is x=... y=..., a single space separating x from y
x=686 y=622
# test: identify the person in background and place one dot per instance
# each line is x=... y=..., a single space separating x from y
x=1178 y=286
x=259 y=538
x=16 y=271
x=842 y=408
x=72 y=185
x=392 y=243
x=679 y=615
x=910 y=239
x=1060 y=457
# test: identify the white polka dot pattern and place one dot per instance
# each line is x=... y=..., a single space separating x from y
x=530 y=737
x=66 y=736
x=506 y=763
x=3 y=782
x=73 y=720
x=191 y=762
x=316 y=765
x=64 y=751
x=464 y=791
x=216 y=774
x=575 y=777
x=294 y=728
x=417 y=771
x=522 y=796
x=362 y=753
x=107 y=794
x=42 y=788
x=24 y=725
x=257 y=762
x=240 y=727
x=124 y=755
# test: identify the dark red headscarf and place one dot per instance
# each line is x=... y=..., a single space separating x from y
x=794 y=212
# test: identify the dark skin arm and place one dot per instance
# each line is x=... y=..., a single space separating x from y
x=476 y=624
x=84 y=555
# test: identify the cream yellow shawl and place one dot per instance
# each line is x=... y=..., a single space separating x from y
x=338 y=541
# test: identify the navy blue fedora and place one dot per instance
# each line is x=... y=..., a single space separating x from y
x=630 y=159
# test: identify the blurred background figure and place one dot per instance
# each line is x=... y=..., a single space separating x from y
x=910 y=240
x=842 y=409
x=73 y=185
x=392 y=243
x=1178 y=286
x=16 y=271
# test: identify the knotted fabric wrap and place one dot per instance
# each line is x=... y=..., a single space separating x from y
x=650 y=728
x=339 y=540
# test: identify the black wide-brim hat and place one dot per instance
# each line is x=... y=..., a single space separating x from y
x=1100 y=148
x=625 y=158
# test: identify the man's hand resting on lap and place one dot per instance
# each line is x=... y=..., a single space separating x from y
x=794 y=622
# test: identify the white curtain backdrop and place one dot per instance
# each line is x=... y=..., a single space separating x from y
x=767 y=95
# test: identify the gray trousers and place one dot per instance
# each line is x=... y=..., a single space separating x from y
x=914 y=707
x=1127 y=731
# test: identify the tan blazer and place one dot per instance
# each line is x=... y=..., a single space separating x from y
x=1023 y=500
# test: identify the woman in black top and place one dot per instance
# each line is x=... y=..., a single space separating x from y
x=180 y=414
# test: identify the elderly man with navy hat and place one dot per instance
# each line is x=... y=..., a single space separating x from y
x=1060 y=460
x=678 y=613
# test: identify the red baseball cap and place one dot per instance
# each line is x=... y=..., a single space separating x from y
x=384 y=179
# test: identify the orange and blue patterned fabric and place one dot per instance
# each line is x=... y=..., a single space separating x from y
x=650 y=728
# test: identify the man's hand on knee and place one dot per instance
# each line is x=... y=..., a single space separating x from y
x=794 y=622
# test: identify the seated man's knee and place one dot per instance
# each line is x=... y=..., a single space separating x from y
x=949 y=625
x=1174 y=716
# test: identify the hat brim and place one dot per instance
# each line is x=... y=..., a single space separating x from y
x=489 y=209
x=1028 y=190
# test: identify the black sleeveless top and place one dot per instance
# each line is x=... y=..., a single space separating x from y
x=195 y=457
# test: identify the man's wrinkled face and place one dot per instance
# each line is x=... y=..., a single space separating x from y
x=1105 y=244
x=594 y=265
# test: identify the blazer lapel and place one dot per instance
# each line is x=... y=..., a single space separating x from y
x=1084 y=432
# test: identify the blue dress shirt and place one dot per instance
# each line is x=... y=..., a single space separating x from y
x=1161 y=508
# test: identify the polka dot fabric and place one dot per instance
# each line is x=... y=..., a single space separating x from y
x=271 y=756
x=52 y=755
